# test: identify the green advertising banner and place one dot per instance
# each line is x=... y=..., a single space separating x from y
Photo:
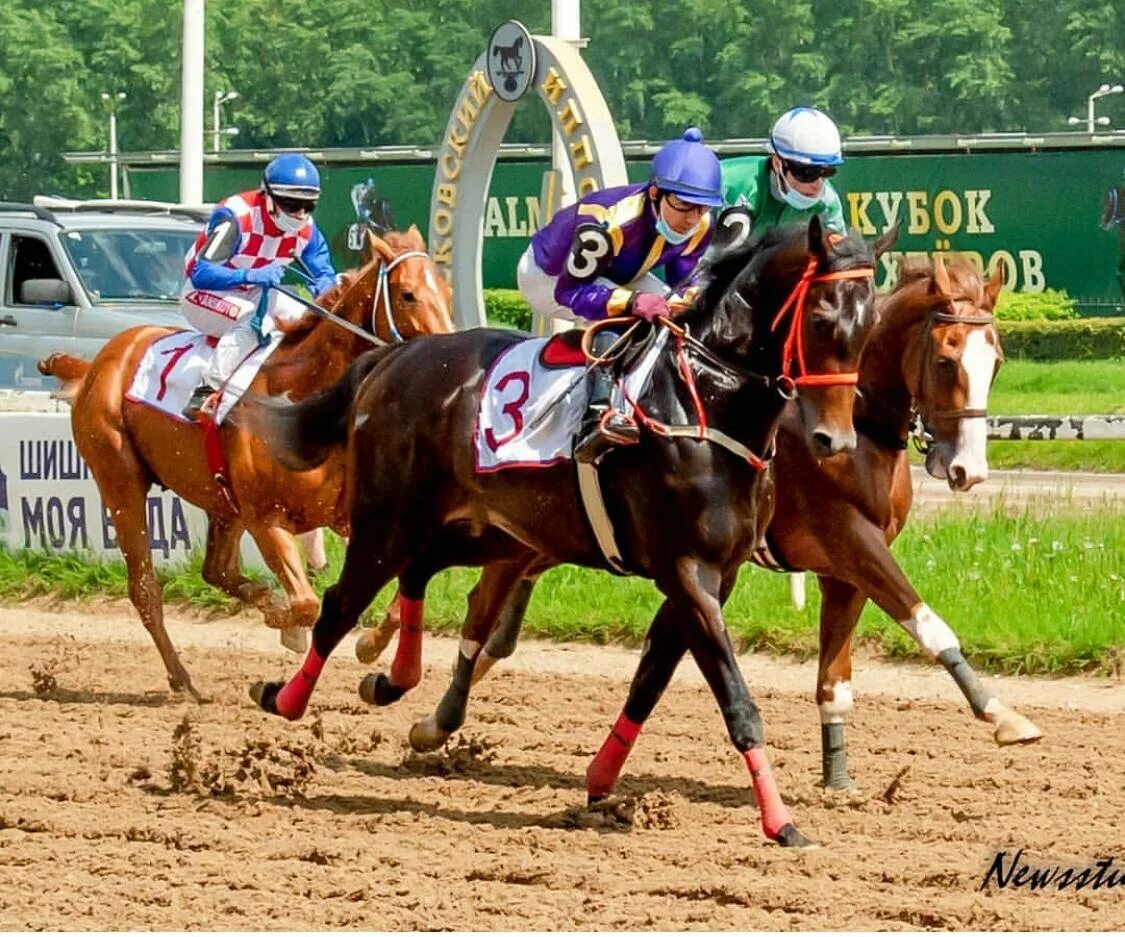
x=1037 y=211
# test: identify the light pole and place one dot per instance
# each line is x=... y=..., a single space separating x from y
x=1092 y=121
x=220 y=98
x=111 y=101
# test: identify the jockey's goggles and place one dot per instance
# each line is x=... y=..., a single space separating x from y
x=294 y=206
x=678 y=204
x=803 y=172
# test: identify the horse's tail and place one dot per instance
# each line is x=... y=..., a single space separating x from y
x=70 y=371
x=302 y=435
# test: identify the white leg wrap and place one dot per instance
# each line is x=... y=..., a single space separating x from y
x=840 y=705
x=933 y=634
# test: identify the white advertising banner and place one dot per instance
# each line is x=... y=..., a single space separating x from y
x=50 y=503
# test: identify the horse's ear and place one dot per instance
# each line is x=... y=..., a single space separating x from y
x=415 y=237
x=996 y=282
x=887 y=241
x=942 y=283
x=377 y=247
x=817 y=247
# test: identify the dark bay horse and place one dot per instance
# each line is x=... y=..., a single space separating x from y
x=932 y=356
x=129 y=446
x=791 y=310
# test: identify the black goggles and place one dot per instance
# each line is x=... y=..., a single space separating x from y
x=805 y=173
x=294 y=206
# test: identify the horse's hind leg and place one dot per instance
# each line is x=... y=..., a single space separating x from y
x=221 y=567
x=840 y=607
x=124 y=489
x=501 y=642
x=487 y=601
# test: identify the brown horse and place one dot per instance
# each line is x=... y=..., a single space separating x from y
x=129 y=446
x=933 y=356
x=688 y=501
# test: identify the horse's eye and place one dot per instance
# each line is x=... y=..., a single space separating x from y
x=407 y=296
x=947 y=365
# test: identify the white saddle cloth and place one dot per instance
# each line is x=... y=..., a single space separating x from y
x=529 y=413
x=173 y=366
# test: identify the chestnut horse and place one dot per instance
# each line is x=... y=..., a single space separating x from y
x=932 y=356
x=688 y=502
x=130 y=446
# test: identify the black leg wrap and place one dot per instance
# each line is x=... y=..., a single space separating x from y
x=834 y=763
x=265 y=695
x=450 y=713
x=966 y=678
x=502 y=642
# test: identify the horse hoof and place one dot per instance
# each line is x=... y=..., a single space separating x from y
x=1015 y=729
x=425 y=736
x=377 y=690
x=295 y=639
x=592 y=800
x=790 y=836
x=265 y=695
x=371 y=644
x=839 y=782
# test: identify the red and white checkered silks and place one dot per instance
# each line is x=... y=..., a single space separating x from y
x=262 y=241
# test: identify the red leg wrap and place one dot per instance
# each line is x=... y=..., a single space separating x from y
x=406 y=669
x=294 y=696
x=775 y=814
x=602 y=774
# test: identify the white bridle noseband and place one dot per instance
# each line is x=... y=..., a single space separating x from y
x=383 y=288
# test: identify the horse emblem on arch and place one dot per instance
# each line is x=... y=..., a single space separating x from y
x=511 y=56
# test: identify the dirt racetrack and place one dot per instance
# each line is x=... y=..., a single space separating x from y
x=122 y=807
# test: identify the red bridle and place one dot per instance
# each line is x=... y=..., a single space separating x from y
x=794 y=348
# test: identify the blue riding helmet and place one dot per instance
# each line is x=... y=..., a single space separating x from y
x=292 y=176
x=690 y=169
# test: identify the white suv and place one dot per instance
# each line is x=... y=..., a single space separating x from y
x=73 y=274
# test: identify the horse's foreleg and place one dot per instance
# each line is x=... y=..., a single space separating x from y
x=492 y=595
x=709 y=643
x=872 y=567
x=280 y=552
x=663 y=650
x=840 y=607
x=501 y=642
x=368 y=566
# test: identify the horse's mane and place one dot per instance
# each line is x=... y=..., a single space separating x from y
x=723 y=266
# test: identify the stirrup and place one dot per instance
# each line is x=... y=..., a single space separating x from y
x=201 y=402
x=598 y=437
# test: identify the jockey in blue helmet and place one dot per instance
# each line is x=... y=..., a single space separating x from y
x=594 y=260
x=249 y=241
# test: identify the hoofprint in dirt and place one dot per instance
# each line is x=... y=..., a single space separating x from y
x=144 y=811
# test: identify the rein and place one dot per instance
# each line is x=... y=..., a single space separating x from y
x=383 y=288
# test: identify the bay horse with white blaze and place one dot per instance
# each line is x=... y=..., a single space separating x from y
x=791 y=310
x=130 y=446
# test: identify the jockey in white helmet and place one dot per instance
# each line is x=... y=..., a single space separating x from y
x=249 y=241
x=791 y=184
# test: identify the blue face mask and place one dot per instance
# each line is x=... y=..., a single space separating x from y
x=673 y=237
x=791 y=196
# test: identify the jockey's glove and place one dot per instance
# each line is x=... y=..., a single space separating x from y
x=648 y=306
x=266 y=276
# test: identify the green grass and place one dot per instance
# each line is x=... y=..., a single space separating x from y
x=1059 y=388
x=1024 y=594
x=1085 y=455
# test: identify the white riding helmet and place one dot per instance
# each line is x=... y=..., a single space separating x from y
x=806 y=135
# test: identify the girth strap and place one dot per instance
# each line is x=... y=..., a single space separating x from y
x=593 y=503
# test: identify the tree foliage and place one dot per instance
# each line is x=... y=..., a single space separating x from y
x=356 y=73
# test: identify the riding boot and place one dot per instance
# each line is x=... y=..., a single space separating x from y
x=602 y=425
x=199 y=398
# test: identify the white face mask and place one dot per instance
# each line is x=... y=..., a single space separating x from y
x=288 y=223
x=790 y=195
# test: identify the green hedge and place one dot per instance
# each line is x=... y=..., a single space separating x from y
x=506 y=308
x=1023 y=307
x=1074 y=339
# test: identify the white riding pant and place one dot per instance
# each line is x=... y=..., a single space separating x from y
x=227 y=315
x=538 y=288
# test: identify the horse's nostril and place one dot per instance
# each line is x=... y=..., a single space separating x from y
x=823 y=439
x=957 y=475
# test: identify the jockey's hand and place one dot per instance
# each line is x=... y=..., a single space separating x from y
x=270 y=275
x=648 y=306
x=323 y=285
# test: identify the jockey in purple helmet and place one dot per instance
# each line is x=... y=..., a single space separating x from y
x=249 y=241
x=594 y=260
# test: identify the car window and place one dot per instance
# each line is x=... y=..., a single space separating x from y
x=116 y=264
x=29 y=258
